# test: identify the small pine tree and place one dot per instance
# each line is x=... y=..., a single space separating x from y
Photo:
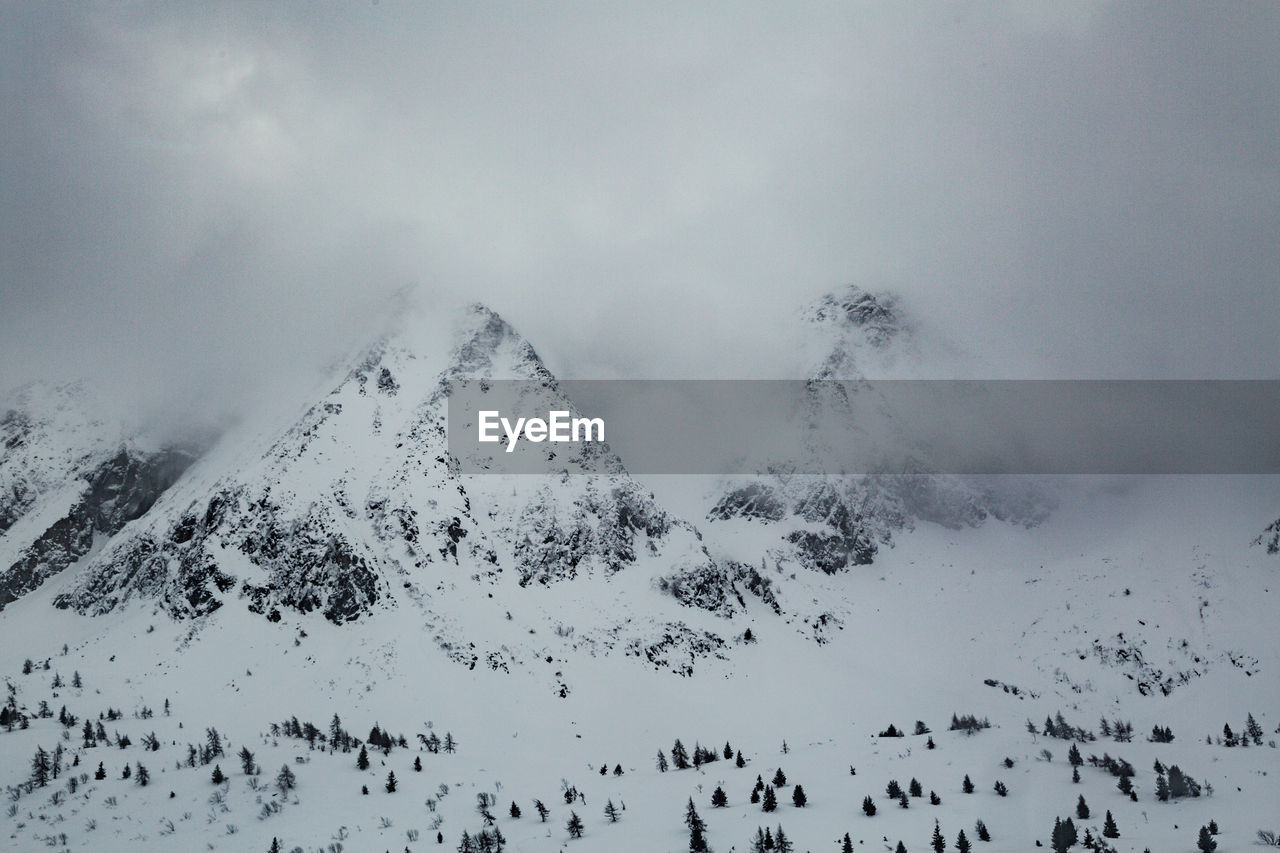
x=611 y=812
x=574 y=825
x=755 y=796
x=217 y=775
x=285 y=780
x=938 y=843
x=798 y=798
x=934 y=799
x=740 y=762
x=1000 y=788
x=980 y=828
x=1075 y=775
x=914 y=788
x=847 y=845
x=542 y=810
x=901 y=848
x=679 y=755
x=362 y=760
x=1109 y=828
x=417 y=764
x=275 y=846
x=1205 y=842
x=903 y=802
x=143 y=775
x=514 y=811
x=868 y=807
x=962 y=842
x=770 y=799
x=779 y=779
x=967 y=785
x=391 y=782
x=781 y=843
x=1082 y=808
x=100 y=773
x=246 y=761
x=719 y=799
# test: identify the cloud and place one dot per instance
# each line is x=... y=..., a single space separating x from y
x=198 y=201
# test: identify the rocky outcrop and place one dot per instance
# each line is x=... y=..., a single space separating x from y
x=115 y=493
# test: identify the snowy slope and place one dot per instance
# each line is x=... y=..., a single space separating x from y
x=919 y=637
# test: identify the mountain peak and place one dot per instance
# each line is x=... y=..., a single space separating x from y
x=877 y=316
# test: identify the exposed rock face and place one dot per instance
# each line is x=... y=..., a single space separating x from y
x=117 y=491
x=68 y=480
x=1270 y=537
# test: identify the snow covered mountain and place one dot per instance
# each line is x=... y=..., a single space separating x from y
x=357 y=506
x=325 y=571
x=69 y=481
x=830 y=523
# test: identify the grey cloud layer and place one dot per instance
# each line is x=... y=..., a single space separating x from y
x=196 y=198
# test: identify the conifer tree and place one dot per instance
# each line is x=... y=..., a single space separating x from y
x=143 y=776
x=914 y=788
x=362 y=760
x=662 y=762
x=902 y=800
x=798 y=797
x=980 y=828
x=868 y=807
x=1082 y=808
x=847 y=845
x=770 y=799
x=391 y=782
x=938 y=843
x=611 y=812
x=781 y=843
x=217 y=775
x=275 y=846
x=934 y=799
x=719 y=799
x=1064 y=835
x=285 y=780
x=740 y=761
x=1109 y=829
x=679 y=756
x=967 y=786
x=40 y=767
x=779 y=779
x=246 y=761
x=1205 y=842
x=574 y=825
x=962 y=843
x=417 y=764
x=541 y=809
x=100 y=773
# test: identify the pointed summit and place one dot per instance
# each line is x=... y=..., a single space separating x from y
x=878 y=317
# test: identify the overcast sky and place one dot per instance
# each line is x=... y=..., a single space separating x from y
x=198 y=197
